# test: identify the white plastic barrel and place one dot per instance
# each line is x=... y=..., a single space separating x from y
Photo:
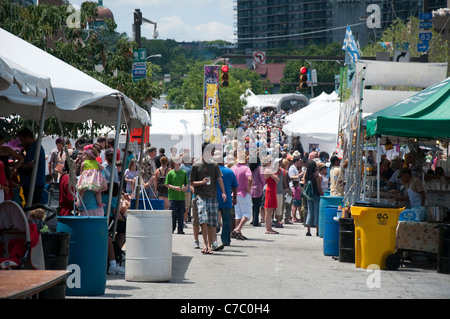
x=149 y=245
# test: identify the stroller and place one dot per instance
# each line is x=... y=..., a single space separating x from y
x=20 y=239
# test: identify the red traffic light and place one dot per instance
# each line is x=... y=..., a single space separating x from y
x=303 y=84
x=224 y=76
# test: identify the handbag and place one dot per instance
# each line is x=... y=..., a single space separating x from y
x=307 y=191
x=59 y=168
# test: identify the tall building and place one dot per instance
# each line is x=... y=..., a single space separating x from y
x=273 y=24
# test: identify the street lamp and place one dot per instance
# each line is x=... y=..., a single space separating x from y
x=137 y=26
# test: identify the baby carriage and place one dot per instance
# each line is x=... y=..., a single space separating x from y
x=20 y=240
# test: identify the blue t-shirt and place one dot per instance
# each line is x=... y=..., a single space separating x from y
x=25 y=179
x=229 y=182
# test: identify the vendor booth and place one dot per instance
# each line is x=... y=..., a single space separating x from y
x=395 y=222
x=423 y=118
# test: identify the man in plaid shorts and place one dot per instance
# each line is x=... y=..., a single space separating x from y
x=204 y=176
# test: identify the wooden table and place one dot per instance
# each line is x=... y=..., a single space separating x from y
x=19 y=284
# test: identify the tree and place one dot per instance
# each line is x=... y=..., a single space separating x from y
x=85 y=48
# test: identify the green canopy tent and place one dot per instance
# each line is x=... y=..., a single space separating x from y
x=423 y=115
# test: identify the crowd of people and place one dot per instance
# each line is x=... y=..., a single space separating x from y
x=255 y=176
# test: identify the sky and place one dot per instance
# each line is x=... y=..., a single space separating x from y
x=179 y=20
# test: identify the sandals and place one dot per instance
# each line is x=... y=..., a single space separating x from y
x=206 y=251
x=272 y=232
x=238 y=235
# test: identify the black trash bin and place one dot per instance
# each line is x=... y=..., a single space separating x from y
x=346 y=240
x=443 y=258
x=56 y=256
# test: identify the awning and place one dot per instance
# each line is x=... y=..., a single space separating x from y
x=423 y=115
x=71 y=89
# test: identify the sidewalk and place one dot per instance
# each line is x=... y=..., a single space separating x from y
x=284 y=266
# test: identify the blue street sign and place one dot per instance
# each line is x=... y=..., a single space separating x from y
x=422 y=47
x=425 y=16
x=425 y=36
x=425 y=24
x=139 y=72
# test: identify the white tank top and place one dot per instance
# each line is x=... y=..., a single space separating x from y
x=324 y=184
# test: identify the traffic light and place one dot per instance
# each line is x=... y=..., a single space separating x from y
x=303 y=84
x=224 y=77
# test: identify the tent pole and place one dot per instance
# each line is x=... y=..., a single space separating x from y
x=378 y=168
x=37 y=154
x=365 y=169
x=122 y=179
x=114 y=168
x=141 y=158
x=358 y=166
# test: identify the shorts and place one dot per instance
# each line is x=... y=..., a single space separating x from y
x=297 y=202
x=194 y=212
x=243 y=207
x=208 y=211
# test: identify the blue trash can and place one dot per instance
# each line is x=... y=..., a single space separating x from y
x=324 y=202
x=331 y=232
x=88 y=254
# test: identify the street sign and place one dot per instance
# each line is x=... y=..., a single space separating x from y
x=425 y=36
x=401 y=56
x=314 y=77
x=139 y=71
x=139 y=55
x=422 y=47
x=425 y=24
x=425 y=16
x=259 y=57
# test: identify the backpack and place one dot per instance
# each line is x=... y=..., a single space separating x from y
x=307 y=191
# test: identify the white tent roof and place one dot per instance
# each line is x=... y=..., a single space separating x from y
x=254 y=101
x=27 y=81
x=316 y=123
x=179 y=128
x=71 y=90
x=182 y=122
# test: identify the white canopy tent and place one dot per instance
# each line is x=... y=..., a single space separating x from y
x=316 y=123
x=46 y=86
x=177 y=128
x=255 y=102
x=71 y=90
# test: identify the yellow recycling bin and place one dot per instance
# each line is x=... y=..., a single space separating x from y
x=375 y=233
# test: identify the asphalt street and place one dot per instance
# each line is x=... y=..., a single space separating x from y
x=288 y=265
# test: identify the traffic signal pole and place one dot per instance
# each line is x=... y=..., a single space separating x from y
x=137 y=22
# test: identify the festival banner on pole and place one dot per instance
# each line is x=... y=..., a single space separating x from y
x=211 y=104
